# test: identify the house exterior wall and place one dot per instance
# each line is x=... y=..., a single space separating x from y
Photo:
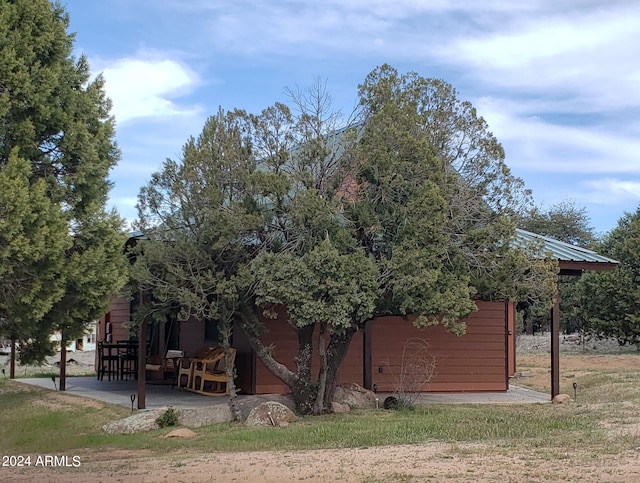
x=511 y=337
x=481 y=360
x=476 y=361
x=85 y=343
x=285 y=348
x=113 y=326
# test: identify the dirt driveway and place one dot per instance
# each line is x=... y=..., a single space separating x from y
x=411 y=463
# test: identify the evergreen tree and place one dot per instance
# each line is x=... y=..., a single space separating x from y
x=609 y=302
x=33 y=238
x=56 y=118
x=337 y=225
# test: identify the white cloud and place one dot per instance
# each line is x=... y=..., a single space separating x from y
x=589 y=56
x=141 y=88
x=611 y=191
x=541 y=145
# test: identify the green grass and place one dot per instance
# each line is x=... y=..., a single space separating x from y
x=544 y=429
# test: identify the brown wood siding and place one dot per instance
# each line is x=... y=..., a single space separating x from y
x=285 y=348
x=473 y=362
x=511 y=340
x=118 y=316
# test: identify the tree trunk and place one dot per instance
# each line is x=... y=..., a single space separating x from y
x=303 y=390
x=336 y=352
x=12 y=366
x=233 y=395
x=63 y=363
x=279 y=370
x=319 y=406
x=226 y=330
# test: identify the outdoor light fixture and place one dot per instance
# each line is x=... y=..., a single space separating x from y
x=575 y=391
x=133 y=398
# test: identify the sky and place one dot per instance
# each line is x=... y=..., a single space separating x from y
x=556 y=80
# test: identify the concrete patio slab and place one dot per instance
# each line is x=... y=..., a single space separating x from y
x=157 y=396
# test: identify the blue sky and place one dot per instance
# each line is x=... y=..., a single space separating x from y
x=557 y=80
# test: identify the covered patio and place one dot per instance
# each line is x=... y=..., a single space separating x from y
x=159 y=396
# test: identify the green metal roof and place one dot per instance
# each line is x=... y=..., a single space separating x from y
x=561 y=251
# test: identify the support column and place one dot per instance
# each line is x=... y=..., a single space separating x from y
x=142 y=360
x=142 y=365
x=555 y=348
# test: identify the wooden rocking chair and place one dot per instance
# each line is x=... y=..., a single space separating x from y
x=184 y=379
x=214 y=372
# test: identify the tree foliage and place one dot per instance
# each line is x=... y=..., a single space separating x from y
x=609 y=302
x=57 y=119
x=33 y=238
x=568 y=223
x=563 y=221
x=405 y=209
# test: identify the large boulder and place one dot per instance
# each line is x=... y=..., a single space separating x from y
x=270 y=413
x=139 y=422
x=196 y=417
x=340 y=408
x=355 y=396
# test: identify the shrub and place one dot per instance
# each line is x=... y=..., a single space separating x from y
x=169 y=418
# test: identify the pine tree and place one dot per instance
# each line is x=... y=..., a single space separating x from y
x=56 y=118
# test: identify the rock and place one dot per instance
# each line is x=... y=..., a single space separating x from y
x=194 y=418
x=247 y=403
x=270 y=413
x=340 y=408
x=180 y=433
x=561 y=399
x=137 y=423
x=355 y=396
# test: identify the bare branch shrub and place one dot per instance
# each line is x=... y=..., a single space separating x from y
x=416 y=370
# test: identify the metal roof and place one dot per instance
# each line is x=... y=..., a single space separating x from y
x=561 y=251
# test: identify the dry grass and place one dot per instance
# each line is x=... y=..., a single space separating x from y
x=594 y=438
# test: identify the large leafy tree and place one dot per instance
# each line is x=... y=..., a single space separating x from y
x=336 y=226
x=56 y=118
x=609 y=302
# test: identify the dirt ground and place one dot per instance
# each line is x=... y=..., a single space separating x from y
x=409 y=463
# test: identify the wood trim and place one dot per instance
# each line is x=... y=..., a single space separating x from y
x=575 y=265
x=367 y=363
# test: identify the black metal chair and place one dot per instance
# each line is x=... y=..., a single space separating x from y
x=108 y=361
x=128 y=359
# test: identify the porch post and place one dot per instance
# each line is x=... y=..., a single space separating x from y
x=142 y=364
x=555 y=348
x=63 y=362
x=142 y=360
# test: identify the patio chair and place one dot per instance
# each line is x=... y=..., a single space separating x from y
x=160 y=367
x=184 y=379
x=213 y=372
